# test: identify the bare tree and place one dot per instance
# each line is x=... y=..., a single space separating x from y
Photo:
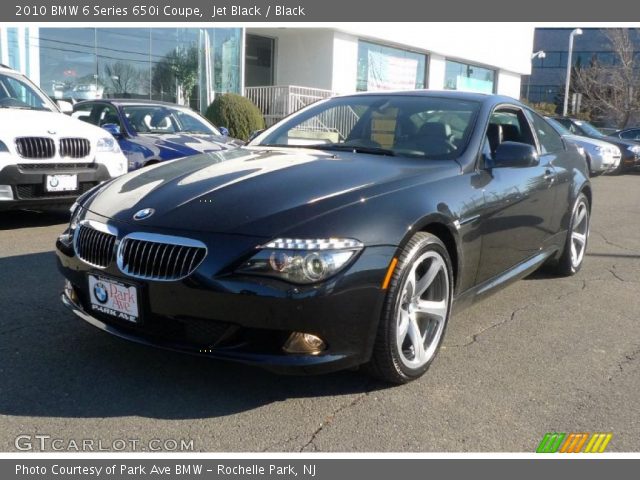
x=611 y=91
x=122 y=77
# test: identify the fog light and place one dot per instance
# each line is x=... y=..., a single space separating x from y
x=6 y=193
x=299 y=342
x=70 y=292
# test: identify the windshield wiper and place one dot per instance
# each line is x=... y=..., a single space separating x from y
x=341 y=147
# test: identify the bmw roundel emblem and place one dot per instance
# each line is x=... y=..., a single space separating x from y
x=100 y=292
x=144 y=213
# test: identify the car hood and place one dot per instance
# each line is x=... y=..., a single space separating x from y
x=188 y=144
x=617 y=141
x=589 y=141
x=41 y=123
x=257 y=191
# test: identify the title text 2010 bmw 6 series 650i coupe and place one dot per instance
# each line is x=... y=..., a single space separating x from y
x=345 y=235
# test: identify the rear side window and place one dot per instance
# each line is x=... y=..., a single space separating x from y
x=550 y=141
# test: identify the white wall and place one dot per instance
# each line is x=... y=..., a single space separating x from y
x=436 y=72
x=509 y=84
x=328 y=58
x=303 y=58
x=345 y=63
x=506 y=46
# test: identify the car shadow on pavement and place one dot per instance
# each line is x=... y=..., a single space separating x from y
x=15 y=219
x=52 y=364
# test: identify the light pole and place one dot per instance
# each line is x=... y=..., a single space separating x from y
x=539 y=54
x=574 y=32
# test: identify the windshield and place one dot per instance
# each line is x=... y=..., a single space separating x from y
x=398 y=125
x=19 y=93
x=150 y=119
x=558 y=127
x=589 y=129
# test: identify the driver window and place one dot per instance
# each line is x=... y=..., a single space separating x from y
x=506 y=125
x=107 y=115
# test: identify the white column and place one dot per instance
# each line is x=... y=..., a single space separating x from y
x=436 y=72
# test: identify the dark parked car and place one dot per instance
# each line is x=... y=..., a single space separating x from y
x=631 y=134
x=344 y=235
x=630 y=150
x=149 y=132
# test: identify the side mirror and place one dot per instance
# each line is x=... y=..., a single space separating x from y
x=515 y=155
x=113 y=129
x=64 y=106
x=254 y=134
x=224 y=131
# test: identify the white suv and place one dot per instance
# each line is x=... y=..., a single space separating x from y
x=47 y=157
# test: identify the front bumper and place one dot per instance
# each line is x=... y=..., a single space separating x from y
x=630 y=160
x=224 y=316
x=27 y=183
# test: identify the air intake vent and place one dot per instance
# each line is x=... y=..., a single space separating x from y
x=159 y=257
x=94 y=246
x=74 y=147
x=36 y=148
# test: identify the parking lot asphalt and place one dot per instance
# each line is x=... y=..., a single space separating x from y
x=545 y=354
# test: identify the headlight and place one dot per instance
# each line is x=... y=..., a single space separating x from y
x=76 y=210
x=107 y=144
x=581 y=150
x=635 y=149
x=302 y=261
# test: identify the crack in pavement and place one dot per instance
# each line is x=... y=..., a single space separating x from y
x=618 y=277
x=627 y=359
x=613 y=244
x=331 y=417
x=475 y=336
x=585 y=282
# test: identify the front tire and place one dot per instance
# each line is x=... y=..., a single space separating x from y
x=415 y=313
x=575 y=247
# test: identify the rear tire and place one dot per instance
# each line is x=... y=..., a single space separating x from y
x=575 y=247
x=415 y=313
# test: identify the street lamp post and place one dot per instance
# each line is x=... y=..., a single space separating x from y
x=539 y=54
x=565 y=108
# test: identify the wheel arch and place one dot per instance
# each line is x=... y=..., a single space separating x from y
x=443 y=228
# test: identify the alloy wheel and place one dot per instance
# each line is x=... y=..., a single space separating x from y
x=422 y=310
x=579 y=233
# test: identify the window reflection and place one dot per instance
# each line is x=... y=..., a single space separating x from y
x=386 y=68
x=178 y=65
x=462 y=76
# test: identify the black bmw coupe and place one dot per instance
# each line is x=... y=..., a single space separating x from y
x=345 y=235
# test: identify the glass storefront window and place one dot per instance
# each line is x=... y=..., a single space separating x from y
x=470 y=78
x=386 y=68
x=178 y=65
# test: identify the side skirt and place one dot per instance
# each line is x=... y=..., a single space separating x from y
x=493 y=285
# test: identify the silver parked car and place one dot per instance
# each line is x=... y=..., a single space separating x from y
x=601 y=156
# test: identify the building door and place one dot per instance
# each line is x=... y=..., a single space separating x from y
x=259 y=61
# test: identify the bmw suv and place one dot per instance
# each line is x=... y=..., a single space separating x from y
x=46 y=157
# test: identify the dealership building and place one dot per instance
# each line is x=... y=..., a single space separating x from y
x=281 y=69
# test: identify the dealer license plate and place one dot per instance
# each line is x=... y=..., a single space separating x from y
x=114 y=298
x=61 y=183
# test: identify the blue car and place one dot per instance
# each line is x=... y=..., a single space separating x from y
x=150 y=132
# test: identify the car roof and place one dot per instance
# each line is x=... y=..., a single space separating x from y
x=453 y=94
